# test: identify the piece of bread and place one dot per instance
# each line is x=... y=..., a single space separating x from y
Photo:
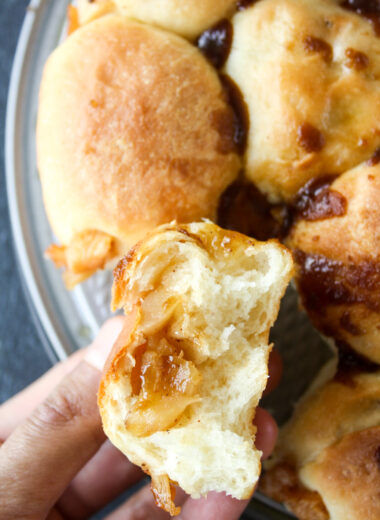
x=309 y=73
x=180 y=388
x=188 y=18
x=327 y=462
x=134 y=130
x=336 y=243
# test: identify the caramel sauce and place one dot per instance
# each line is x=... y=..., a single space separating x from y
x=369 y=9
x=245 y=4
x=215 y=43
x=244 y=208
x=225 y=122
x=192 y=236
x=356 y=60
x=323 y=282
x=377 y=456
x=283 y=485
x=240 y=110
x=314 y=45
x=350 y=363
x=164 y=384
x=310 y=138
x=317 y=201
x=72 y=19
x=232 y=127
x=136 y=380
x=164 y=494
x=348 y=325
x=375 y=159
x=314 y=201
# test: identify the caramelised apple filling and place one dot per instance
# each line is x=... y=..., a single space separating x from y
x=163 y=382
x=88 y=251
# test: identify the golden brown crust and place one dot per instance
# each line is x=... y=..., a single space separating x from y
x=130 y=142
x=118 y=351
x=282 y=484
x=311 y=112
x=314 y=427
x=347 y=474
x=354 y=235
x=163 y=491
x=330 y=449
x=338 y=261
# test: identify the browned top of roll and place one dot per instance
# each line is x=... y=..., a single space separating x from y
x=133 y=131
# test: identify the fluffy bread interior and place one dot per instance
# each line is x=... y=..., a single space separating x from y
x=179 y=392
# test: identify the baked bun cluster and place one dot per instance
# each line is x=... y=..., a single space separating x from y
x=179 y=390
x=262 y=114
x=327 y=462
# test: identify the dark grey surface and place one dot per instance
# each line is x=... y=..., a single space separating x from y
x=22 y=357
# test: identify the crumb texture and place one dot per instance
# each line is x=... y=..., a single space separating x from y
x=198 y=344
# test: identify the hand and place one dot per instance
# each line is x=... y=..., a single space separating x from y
x=56 y=463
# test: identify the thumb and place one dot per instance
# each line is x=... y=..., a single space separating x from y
x=44 y=453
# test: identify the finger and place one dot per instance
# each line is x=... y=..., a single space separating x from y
x=142 y=506
x=267 y=432
x=216 y=505
x=16 y=410
x=43 y=454
x=102 y=479
x=275 y=368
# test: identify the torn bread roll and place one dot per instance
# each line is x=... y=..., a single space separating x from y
x=180 y=388
x=326 y=465
x=134 y=130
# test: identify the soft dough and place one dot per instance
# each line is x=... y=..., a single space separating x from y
x=140 y=133
x=179 y=390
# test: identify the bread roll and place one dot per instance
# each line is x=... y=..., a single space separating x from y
x=134 y=130
x=187 y=18
x=326 y=464
x=336 y=241
x=179 y=390
x=309 y=72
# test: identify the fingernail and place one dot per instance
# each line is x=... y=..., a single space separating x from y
x=98 y=352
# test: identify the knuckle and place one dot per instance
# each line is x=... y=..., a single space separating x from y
x=65 y=406
x=59 y=410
